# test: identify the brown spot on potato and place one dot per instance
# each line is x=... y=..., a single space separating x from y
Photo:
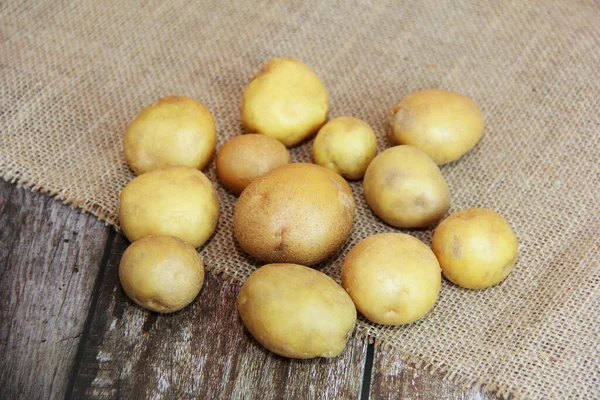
x=421 y=201
x=456 y=247
x=282 y=245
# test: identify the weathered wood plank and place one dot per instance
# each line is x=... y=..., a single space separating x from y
x=50 y=256
x=392 y=379
x=202 y=350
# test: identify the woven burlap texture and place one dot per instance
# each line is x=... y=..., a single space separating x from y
x=73 y=74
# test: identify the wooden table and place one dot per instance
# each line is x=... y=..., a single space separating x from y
x=68 y=329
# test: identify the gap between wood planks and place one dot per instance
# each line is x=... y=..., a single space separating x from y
x=91 y=312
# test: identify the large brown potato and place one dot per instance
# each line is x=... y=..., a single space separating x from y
x=173 y=201
x=161 y=273
x=443 y=124
x=476 y=248
x=297 y=213
x=246 y=157
x=405 y=188
x=175 y=131
x=393 y=278
x=286 y=100
x=296 y=312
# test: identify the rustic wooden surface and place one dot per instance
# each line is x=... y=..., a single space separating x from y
x=50 y=256
x=202 y=350
x=68 y=329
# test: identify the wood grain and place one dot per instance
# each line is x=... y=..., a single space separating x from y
x=50 y=256
x=392 y=379
x=201 y=351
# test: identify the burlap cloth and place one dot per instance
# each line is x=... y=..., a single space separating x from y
x=73 y=74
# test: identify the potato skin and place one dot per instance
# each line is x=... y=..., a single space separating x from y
x=286 y=100
x=173 y=201
x=393 y=278
x=246 y=157
x=296 y=311
x=405 y=188
x=298 y=213
x=443 y=124
x=161 y=273
x=346 y=146
x=476 y=248
x=175 y=131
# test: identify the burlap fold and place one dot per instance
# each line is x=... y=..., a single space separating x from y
x=73 y=75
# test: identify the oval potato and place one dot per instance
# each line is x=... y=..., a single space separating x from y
x=405 y=188
x=246 y=157
x=443 y=124
x=346 y=146
x=476 y=248
x=161 y=273
x=286 y=100
x=173 y=201
x=393 y=278
x=298 y=213
x=175 y=131
x=296 y=311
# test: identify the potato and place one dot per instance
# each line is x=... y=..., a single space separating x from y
x=476 y=248
x=173 y=201
x=393 y=278
x=405 y=188
x=443 y=124
x=297 y=213
x=161 y=273
x=286 y=100
x=245 y=158
x=176 y=131
x=346 y=146
x=296 y=311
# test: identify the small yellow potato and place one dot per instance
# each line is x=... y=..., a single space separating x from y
x=173 y=201
x=393 y=278
x=443 y=124
x=299 y=213
x=296 y=311
x=245 y=158
x=175 y=131
x=161 y=273
x=346 y=146
x=405 y=188
x=476 y=248
x=286 y=100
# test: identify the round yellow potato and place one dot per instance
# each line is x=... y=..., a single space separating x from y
x=176 y=130
x=286 y=100
x=245 y=158
x=161 y=273
x=298 y=213
x=405 y=188
x=443 y=124
x=173 y=201
x=393 y=278
x=476 y=248
x=346 y=146
x=296 y=311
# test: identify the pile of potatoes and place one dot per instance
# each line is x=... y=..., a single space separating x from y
x=291 y=216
